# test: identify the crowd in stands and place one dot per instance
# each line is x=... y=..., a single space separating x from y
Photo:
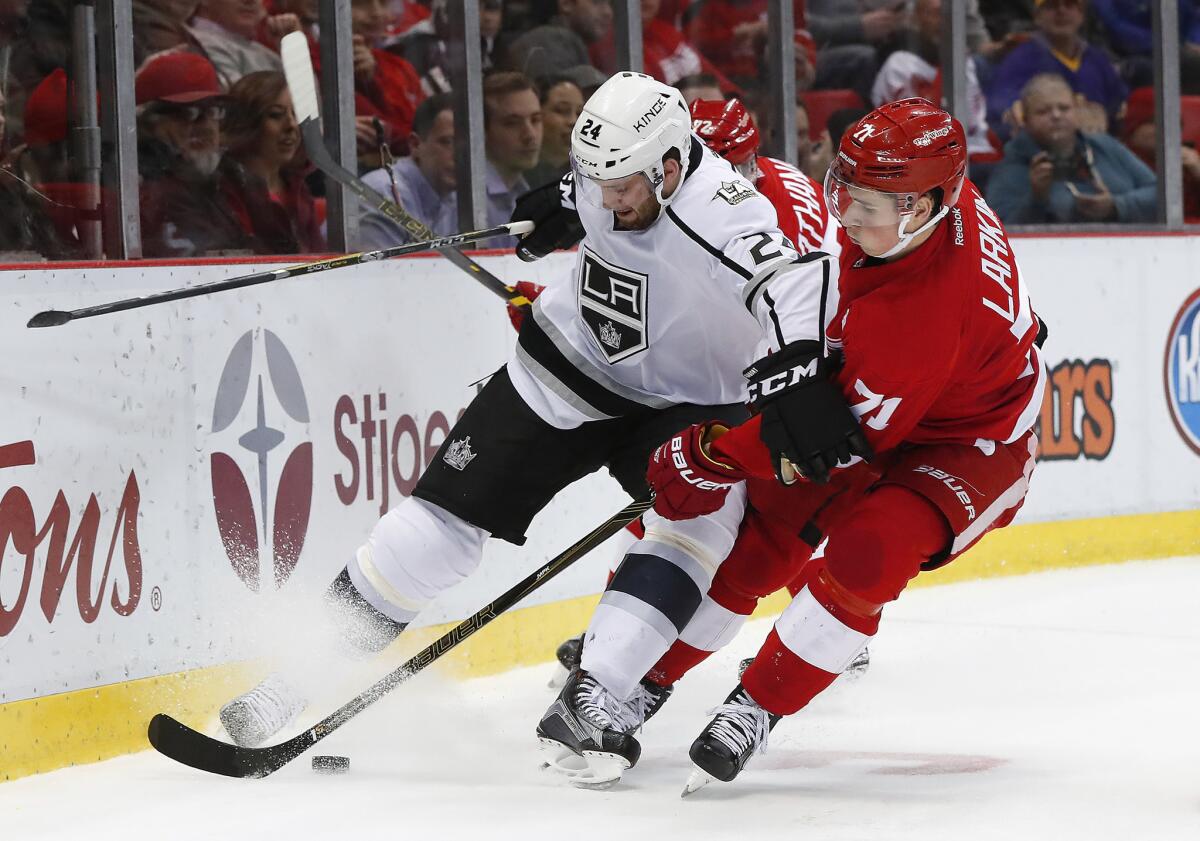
x=1060 y=123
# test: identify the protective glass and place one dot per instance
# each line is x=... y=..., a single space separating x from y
x=861 y=207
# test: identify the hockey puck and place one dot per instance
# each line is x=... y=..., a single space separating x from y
x=331 y=764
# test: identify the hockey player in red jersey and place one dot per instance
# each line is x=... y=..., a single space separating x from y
x=933 y=345
x=727 y=128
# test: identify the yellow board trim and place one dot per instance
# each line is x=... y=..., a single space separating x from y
x=72 y=728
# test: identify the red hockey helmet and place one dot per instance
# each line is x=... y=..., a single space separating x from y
x=727 y=128
x=898 y=152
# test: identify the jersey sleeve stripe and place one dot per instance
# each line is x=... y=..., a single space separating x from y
x=774 y=318
x=707 y=246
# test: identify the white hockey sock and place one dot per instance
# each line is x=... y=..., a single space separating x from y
x=415 y=551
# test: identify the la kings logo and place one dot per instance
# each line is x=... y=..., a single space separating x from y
x=612 y=303
x=734 y=192
x=459 y=454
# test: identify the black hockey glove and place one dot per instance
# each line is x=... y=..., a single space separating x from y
x=805 y=419
x=557 y=226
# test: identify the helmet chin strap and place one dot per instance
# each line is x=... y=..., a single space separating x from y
x=905 y=239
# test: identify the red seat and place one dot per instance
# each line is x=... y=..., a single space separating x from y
x=1189 y=111
x=821 y=104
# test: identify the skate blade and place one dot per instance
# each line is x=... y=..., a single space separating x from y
x=592 y=770
x=698 y=780
x=559 y=679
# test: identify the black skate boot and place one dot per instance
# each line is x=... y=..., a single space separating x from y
x=587 y=734
x=738 y=731
x=569 y=653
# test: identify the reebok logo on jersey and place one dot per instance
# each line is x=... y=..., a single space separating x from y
x=459 y=454
x=734 y=192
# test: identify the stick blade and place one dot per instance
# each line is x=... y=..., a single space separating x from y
x=297 y=67
x=50 y=318
x=186 y=746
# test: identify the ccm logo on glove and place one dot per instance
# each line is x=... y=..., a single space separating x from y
x=776 y=383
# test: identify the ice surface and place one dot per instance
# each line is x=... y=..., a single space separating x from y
x=1058 y=706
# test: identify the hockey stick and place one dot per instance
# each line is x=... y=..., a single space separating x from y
x=190 y=747
x=297 y=67
x=55 y=318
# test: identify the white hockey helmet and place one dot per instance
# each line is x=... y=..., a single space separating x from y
x=626 y=127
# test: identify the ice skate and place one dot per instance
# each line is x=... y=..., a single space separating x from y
x=587 y=734
x=569 y=653
x=737 y=732
x=255 y=716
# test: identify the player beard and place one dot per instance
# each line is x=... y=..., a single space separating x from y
x=646 y=215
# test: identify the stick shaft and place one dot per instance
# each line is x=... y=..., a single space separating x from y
x=290 y=271
x=297 y=67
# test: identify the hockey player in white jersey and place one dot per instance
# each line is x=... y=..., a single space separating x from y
x=668 y=303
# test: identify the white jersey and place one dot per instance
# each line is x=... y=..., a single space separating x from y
x=674 y=313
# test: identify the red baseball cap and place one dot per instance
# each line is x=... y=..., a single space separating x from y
x=176 y=77
x=46 y=111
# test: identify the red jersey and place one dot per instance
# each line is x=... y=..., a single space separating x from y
x=938 y=345
x=799 y=203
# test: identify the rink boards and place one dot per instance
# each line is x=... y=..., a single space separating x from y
x=179 y=482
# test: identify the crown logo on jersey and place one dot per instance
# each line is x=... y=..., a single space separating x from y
x=459 y=454
x=734 y=192
x=610 y=335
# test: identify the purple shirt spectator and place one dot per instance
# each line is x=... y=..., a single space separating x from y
x=1094 y=77
x=1130 y=27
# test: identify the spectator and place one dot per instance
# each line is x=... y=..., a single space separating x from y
x=25 y=225
x=1131 y=34
x=259 y=173
x=61 y=205
x=666 y=53
x=700 y=86
x=1058 y=47
x=180 y=107
x=158 y=25
x=1054 y=173
x=512 y=118
x=850 y=35
x=385 y=85
x=917 y=72
x=831 y=137
x=563 y=42
x=426 y=45
x=38 y=40
x=760 y=110
x=562 y=101
x=586 y=78
x=1140 y=134
x=733 y=34
x=423 y=183
x=226 y=31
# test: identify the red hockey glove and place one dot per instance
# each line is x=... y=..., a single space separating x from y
x=517 y=314
x=686 y=482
